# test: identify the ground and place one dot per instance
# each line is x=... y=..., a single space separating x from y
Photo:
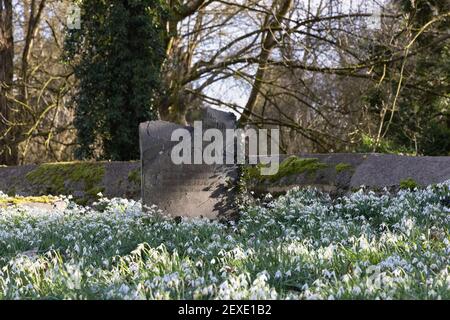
x=304 y=245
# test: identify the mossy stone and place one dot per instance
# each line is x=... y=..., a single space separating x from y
x=291 y=166
x=134 y=176
x=58 y=178
x=341 y=167
x=408 y=184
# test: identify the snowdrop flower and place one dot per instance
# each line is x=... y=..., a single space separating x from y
x=100 y=252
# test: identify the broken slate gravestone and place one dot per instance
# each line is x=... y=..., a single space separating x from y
x=189 y=190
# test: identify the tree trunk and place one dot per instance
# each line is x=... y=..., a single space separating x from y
x=268 y=44
x=8 y=147
x=173 y=104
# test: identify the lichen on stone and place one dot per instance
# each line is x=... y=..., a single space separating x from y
x=18 y=200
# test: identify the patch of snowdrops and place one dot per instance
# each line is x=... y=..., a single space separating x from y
x=300 y=246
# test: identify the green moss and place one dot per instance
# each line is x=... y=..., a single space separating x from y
x=94 y=191
x=291 y=166
x=408 y=184
x=134 y=176
x=341 y=167
x=11 y=191
x=21 y=200
x=57 y=178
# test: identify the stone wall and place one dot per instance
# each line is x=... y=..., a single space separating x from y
x=82 y=180
x=341 y=173
x=330 y=172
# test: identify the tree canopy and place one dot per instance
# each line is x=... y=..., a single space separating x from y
x=333 y=76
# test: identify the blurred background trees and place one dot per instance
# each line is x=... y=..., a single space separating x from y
x=333 y=75
x=419 y=120
x=35 y=122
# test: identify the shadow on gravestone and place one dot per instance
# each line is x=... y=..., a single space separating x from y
x=189 y=190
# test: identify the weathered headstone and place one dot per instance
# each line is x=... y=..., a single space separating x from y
x=190 y=190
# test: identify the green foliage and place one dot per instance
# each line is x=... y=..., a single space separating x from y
x=118 y=53
x=369 y=144
x=422 y=11
x=436 y=140
x=134 y=176
x=408 y=184
x=421 y=122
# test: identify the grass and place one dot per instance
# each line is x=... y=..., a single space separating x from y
x=300 y=246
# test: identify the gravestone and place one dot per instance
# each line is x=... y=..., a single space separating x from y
x=189 y=190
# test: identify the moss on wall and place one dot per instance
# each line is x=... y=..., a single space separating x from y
x=134 y=176
x=11 y=191
x=293 y=165
x=408 y=184
x=60 y=178
x=341 y=167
